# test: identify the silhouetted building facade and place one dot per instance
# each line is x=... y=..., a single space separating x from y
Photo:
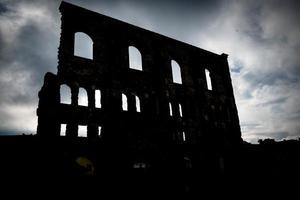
x=149 y=100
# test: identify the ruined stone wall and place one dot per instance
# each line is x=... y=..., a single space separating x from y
x=206 y=116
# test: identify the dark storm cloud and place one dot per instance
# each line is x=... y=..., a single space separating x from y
x=176 y=19
x=294 y=116
x=237 y=67
x=3 y=8
x=262 y=79
x=173 y=6
x=29 y=32
x=32 y=38
x=250 y=125
x=275 y=101
x=30 y=58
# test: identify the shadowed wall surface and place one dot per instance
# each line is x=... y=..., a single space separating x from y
x=168 y=106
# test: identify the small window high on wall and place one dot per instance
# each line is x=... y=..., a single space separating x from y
x=135 y=58
x=138 y=104
x=63 y=128
x=183 y=136
x=180 y=110
x=176 y=72
x=97 y=98
x=124 y=102
x=83 y=46
x=82 y=131
x=65 y=94
x=208 y=79
x=99 y=131
x=82 y=97
x=170 y=109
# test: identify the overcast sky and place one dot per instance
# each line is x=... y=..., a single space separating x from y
x=262 y=39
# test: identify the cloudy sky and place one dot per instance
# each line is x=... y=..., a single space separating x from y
x=261 y=37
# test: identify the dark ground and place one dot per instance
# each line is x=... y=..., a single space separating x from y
x=267 y=167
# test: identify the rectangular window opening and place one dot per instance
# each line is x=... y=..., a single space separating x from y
x=138 y=104
x=170 y=109
x=99 y=131
x=97 y=99
x=63 y=129
x=124 y=102
x=180 y=110
x=208 y=79
x=82 y=131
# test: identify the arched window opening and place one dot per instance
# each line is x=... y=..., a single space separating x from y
x=135 y=58
x=176 y=72
x=208 y=79
x=137 y=104
x=63 y=128
x=82 y=131
x=170 y=109
x=83 y=46
x=82 y=97
x=180 y=110
x=124 y=102
x=65 y=94
x=97 y=98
